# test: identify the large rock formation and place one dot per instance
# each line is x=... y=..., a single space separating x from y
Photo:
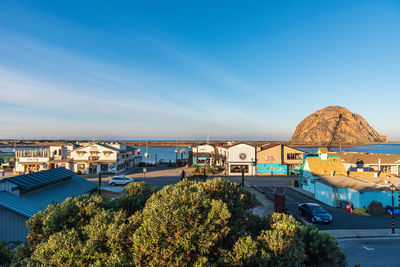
x=318 y=128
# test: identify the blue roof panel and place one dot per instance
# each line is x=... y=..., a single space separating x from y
x=35 y=201
x=29 y=181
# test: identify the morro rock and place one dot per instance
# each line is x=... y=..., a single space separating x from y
x=318 y=128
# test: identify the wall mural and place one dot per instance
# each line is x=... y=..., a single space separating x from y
x=271 y=168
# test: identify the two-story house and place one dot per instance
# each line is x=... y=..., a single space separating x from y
x=278 y=159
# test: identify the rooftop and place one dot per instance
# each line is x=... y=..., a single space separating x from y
x=367 y=158
x=325 y=167
x=30 y=203
x=361 y=185
x=39 y=179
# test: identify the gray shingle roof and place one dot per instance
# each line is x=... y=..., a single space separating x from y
x=35 y=201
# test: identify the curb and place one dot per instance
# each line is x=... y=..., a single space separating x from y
x=258 y=189
x=367 y=236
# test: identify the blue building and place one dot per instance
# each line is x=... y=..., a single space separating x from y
x=23 y=196
x=327 y=179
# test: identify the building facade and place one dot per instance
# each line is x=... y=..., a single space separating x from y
x=203 y=155
x=241 y=157
x=7 y=161
x=375 y=162
x=326 y=177
x=89 y=158
x=23 y=196
x=278 y=159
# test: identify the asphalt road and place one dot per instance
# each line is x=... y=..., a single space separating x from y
x=371 y=251
x=341 y=219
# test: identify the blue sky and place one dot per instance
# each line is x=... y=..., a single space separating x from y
x=249 y=70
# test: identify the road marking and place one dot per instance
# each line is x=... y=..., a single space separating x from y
x=367 y=248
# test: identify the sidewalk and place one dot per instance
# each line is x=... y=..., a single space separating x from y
x=362 y=233
x=266 y=207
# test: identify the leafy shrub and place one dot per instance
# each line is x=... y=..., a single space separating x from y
x=321 y=248
x=180 y=227
x=5 y=255
x=187 y=224
x=361 y=212
x=282 y=243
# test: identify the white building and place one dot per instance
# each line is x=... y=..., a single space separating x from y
x=203 y=149
x=90 y=158
x=240 y=157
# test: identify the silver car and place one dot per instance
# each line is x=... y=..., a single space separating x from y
x=120 y=180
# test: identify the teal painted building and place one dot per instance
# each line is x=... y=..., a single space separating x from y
x=201 y=161
x=272 y=168
x=337 y=190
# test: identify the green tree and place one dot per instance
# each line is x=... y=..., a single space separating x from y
x=180 y=226
x=321 y=248
x=5 y=255
x=190 y=223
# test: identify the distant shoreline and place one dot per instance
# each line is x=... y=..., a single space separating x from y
x=164 y=143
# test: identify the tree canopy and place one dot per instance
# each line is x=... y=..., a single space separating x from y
x=190 y=223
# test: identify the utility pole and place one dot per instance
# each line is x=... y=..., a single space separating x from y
x=100 y=183
x=242 y=178
x=393 y=188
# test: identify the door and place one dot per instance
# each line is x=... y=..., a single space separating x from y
x=93 y=168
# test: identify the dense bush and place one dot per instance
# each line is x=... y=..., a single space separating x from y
x=5 y=255
x=321 y=248
x=187 y=224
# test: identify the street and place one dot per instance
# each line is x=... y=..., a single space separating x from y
x=341 y=218
x=159 y=176
x=371 y=251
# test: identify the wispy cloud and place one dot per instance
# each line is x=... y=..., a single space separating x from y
x=77 y=90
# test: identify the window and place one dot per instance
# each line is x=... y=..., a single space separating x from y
x=294 y=156
x=386 y=168
x=239 y=168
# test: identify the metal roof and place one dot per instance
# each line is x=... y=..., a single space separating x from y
x=29 y=204
x=38 y=179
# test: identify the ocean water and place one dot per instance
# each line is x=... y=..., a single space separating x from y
x=168 y=153
x=386 y=149
x=162 y=153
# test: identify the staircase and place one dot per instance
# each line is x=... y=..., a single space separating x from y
x=337 y=201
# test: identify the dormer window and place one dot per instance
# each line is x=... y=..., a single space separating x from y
x=107 y=153
x=93 y=153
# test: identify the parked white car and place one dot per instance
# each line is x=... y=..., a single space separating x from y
x=120 y=180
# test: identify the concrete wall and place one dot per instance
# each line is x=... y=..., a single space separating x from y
x=271 y=168
x=237 y=150
x=349 y=195
x=324 y=193
x=271 y=155
x=12 y=226
x=384 y=197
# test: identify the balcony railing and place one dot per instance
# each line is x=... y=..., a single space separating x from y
x=33 y=153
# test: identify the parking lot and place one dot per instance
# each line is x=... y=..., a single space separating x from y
x=341 y=218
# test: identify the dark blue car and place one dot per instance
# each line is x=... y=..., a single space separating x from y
x=315 y=213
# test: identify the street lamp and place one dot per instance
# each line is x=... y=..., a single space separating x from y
x=392 y=188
